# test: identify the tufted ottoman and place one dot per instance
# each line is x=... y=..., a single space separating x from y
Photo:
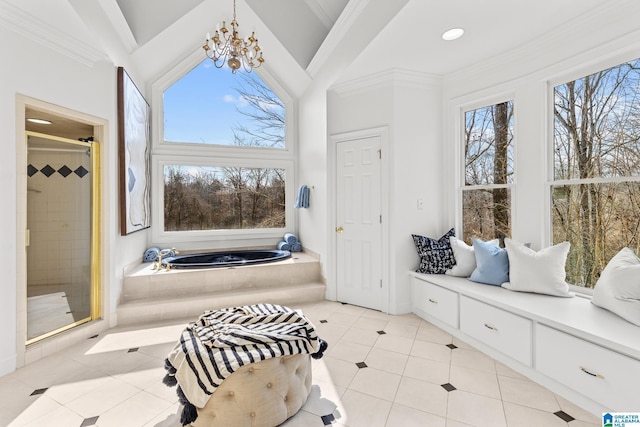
x=262 y=394
x=247 y=366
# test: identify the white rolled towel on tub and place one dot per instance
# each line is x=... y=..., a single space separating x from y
x=151 y=254
x=290 y=238
x=284 y=246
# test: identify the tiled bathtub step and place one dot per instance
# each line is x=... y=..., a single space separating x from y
x=163 y=308
x=144 y=283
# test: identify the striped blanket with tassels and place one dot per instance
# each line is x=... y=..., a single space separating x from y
x=219 y=342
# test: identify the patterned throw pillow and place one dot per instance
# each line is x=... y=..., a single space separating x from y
x=436 y=256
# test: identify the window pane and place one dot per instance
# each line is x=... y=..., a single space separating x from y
x=597 y=125
x=486 y=214
x=598 y=220
x=488 y=147
x=211 y=105
x=223 y=198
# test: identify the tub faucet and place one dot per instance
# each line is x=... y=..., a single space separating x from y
x=165 y=252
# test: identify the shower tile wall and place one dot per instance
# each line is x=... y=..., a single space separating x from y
x=58 y=257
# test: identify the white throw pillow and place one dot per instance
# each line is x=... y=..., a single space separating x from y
x=618 y=288
x=542 y=272
x=465 y=257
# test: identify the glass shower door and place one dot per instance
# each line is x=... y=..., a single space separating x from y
x=60 y=254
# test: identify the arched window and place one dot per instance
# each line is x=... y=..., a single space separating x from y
x=223 y=161
x=213 y=106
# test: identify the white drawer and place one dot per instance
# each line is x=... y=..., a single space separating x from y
x=435 y=301
x=602 y=375
x=506 y=332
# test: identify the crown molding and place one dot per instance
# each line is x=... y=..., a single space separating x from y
x=393 y=77
x=41 y=32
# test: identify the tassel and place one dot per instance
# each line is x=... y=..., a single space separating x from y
x=189 y=414
x=169 y=367
x=169 y=380
x=181 y=397
x=320 y=352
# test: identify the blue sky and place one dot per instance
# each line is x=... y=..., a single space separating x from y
x=201 y=107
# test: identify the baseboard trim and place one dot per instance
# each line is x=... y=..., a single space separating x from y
x=7 y=365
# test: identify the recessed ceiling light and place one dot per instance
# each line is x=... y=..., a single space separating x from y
x=452 y=34
x=39 y=121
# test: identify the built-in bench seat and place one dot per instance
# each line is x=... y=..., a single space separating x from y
x=578 y=350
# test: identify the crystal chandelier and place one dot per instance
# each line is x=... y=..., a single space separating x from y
x=226 y=46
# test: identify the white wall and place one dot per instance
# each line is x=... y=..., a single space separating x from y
x=312 y=171
x=417 y=173
x=44 y=74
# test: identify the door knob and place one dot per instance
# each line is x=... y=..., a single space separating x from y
x=339 y=229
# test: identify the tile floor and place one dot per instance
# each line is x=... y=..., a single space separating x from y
x=379 y=371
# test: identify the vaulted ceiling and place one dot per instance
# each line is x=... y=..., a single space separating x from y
x=306 y=39
x=411 y=39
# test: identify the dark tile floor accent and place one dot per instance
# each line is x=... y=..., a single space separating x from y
x=361 y=365
x=133 y=350
x=38 y=391
x=381 y=332
x=564 y=416
x=89 y=422
x=324 y=321
x=328 y=419
x=452 y=346
x=448 y=387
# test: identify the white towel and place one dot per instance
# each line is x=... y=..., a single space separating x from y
x=284 y=246
x=290 y=238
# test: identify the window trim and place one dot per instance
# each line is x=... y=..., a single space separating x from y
x=551 y=83
x=244 y=237
x=461 y=186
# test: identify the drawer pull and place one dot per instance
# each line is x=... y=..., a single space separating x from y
x=590 y=373
x=493 y=328
x=433 y=301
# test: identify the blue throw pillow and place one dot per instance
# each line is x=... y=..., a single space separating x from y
x=436 y=256
x=492 y=264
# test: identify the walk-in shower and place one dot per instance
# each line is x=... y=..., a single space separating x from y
x=61 y=221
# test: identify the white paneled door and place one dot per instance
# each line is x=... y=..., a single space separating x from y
x=358 y=226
